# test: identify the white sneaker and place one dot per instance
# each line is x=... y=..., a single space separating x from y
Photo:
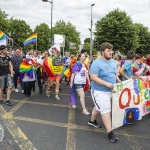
x=22 y=91
x=85 y=112
x=16 y=90
x=73 y=106
x=56 y=96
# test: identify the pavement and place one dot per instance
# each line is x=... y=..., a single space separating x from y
x=42 y=123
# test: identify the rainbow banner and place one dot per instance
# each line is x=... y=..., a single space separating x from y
x=131 y=101
x=3 y=38
x=31 y=39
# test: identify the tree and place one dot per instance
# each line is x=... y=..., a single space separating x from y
x=43 y=33
x=4 y=22
x=87 y=40
x=70 y=32
x=87 y=47
x=117 y=28
x=20 y=31
x=143 y=39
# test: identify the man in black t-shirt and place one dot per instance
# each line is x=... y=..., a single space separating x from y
x=6 y=73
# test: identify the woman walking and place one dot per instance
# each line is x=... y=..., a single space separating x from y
x=79 y=79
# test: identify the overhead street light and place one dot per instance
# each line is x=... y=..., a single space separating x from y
x=91 y=32
x=51 y=40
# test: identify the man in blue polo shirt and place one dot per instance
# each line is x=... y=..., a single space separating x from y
x=103 y=75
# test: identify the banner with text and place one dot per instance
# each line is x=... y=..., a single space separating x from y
x=130 y=101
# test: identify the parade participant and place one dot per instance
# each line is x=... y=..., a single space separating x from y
x=66 y=62
x=126 y=70
x=44 y=74
x=138 y=67
x=68 y=71
x=16 y=61
x=103 y=75
x=148 y=64
x=6 y=73
x=28 y=74
x=53 y=70
x=78 y=82
x=38 y=59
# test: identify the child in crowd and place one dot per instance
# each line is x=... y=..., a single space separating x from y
x=138 y=67
x=126 y=70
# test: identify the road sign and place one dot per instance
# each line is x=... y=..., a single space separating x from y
x=72 y=45
x=59 y=39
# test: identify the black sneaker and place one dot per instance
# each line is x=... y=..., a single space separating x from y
x=94 y=124
x=9 y=103
x=1 y=102
x=112 y=137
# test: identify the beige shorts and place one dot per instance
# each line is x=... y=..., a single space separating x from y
x=102 y=101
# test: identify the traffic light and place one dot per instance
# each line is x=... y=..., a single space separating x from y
x=95 y=44
x=10 y=42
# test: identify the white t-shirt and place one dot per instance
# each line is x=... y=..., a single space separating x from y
x=80 y=77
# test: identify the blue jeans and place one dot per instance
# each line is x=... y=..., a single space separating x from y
x=79 y=86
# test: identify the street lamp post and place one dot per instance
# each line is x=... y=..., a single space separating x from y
x=51 y=39
x=91 y=33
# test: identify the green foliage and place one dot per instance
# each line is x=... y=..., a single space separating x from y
x=87 y=47
x=118 y=29
x=43 y=33
x=20 y=31
x=70 y=32
x=4 y=22
x=87 y=40
x=143 y=39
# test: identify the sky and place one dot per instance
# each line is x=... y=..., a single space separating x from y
x=78 y=12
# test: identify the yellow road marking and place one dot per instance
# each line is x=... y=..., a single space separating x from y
x=14 y=109
x=71 y=140
x=47 y=104
x=40 y=121
x=68 y=94
x=16 y=132
x=134 y=144
x=72 y=125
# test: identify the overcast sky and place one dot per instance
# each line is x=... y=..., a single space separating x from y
x=78 y=12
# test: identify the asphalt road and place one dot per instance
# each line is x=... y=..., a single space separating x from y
x=44 y=123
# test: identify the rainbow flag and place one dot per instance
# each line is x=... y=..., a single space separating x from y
x=26 y=68
x=3 y=38
x=31 y=39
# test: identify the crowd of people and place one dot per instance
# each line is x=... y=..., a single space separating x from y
x=80 y=73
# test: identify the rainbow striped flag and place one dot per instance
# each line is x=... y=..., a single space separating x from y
x=3 y=38
x=27 y=68
x=31 y=39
